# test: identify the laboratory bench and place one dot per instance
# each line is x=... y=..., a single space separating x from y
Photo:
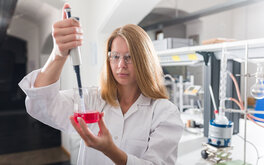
x=190 y=146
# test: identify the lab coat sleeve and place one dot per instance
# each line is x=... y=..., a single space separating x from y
x=166 y=131
x=48 y=104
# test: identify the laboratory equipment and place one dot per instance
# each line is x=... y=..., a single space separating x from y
x=177 y=87
x=257 y=90
x=76 y=61
x=220 y=128
x=213 y=99
x=85 y=99
x=89 y=100
x=183 y=93
x=220 y=134
x=212 y=72
x=216 y=154
x=239 y=52
x=171 y=85
x=259 y=107
x=169 y=43
x=75 y=55
x=192 y=90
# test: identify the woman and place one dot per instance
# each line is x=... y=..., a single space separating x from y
x=139 y=124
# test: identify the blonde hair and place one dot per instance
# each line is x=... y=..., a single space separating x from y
x=149 y=75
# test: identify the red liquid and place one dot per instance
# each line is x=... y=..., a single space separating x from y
x=88 y=117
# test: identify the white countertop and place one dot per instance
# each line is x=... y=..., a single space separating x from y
x=191 y=145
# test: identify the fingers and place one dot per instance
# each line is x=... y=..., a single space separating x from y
x=83 y=131
x=66 y=5
x=100 y=142
x=71 y=22
x=101 y=115
x=101 y=124
x=87 y=132
x=69 y=38
x=67 y=34
x=64 y=47
x=75 y=124
x=57 y=32
x=79 y=130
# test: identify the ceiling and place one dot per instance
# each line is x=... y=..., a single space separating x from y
x=161 y=14
x=36 y=10
x=166 y=16
x=32 y=10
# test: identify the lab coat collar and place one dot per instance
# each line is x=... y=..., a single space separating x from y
x=143 y=100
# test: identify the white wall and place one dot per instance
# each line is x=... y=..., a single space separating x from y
x=46 y=22
x=29 y=32
x=241 y=24
x=212 y=26
x=248 y=24
x=189 y=5
x=250 y=21
x=193 y=5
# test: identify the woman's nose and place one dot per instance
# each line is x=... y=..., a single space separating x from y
x=122 y=63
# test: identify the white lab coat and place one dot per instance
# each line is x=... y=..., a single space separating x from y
x=148 y=133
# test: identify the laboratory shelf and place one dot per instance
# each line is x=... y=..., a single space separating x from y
x=242 y=51
x=236 y=51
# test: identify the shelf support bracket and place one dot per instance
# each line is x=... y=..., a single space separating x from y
x=206 y=55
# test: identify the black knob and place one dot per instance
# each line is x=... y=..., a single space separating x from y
x=204 y=154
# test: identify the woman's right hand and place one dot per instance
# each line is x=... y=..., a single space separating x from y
x=67 y=34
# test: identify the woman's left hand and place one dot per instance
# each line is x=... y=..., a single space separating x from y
x=102 y=142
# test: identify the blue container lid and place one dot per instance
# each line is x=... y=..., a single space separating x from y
x=259 y=107
x=229 y=125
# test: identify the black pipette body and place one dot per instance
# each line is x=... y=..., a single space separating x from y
x=76 y=60
x=78 y=76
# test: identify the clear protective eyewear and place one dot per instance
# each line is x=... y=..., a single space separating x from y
x=115 y=57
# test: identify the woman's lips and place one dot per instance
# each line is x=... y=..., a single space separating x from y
x=122 y=75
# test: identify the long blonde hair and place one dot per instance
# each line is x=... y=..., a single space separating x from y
x=149 y=75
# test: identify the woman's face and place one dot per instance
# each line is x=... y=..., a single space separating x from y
x=121 y=63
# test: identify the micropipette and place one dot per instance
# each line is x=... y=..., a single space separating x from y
x=76 y=60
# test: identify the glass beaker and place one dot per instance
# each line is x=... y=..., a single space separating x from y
x=86 y=104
